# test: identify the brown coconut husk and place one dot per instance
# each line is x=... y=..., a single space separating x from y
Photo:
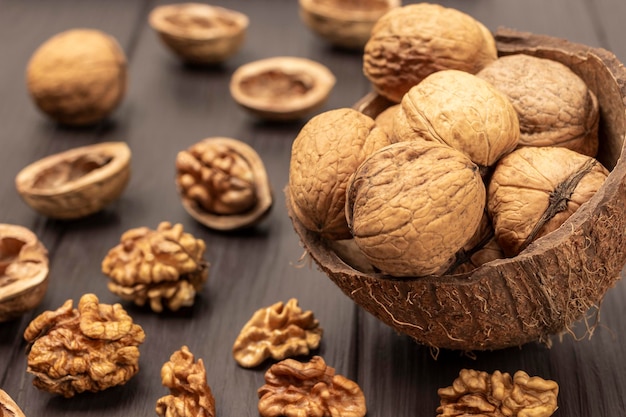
x=554 y=282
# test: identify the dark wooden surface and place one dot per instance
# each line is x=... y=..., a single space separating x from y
x=169 y=107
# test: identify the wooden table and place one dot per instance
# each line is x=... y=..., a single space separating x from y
x=169 y=107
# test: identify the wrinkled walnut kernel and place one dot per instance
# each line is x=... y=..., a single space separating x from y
x=190 y=395
x=498 y=395
x=279 y=331
x=311 y=389
x=91 y=348
x=163 y=267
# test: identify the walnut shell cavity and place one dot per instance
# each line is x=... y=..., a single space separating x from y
x=554 y=105
x=425 y=38
x=199 y=33
x=281 y=88
x=326 y=152
x=8 y=407
x=412 y=206
x=345 y=24
x=77 y=182
x=223 y=184
x=78 y=77
x=557 y=280
x=23 y=271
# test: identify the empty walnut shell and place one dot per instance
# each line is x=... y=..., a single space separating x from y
x=550 y=284
x=77 y=182
x=281 y=88
x=8 y=407
x=198 y=33
x=23 y=271
x=346 y=24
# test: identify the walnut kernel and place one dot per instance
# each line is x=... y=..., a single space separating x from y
x=279 y=331
x=190 y=394
x=311 y=389
x=91 y=348
x=163 y=267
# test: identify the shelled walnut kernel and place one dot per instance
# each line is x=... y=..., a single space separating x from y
x=91 y=348
x=311 y=389
x=479 y=393
x=279 y=331
x=190 y=394
x=163 y=267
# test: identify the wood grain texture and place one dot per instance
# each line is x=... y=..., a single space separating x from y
x=170 y=106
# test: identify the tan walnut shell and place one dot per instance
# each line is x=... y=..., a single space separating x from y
x=530 y=195
x=8 y=407
x=461 y=110
x=554 y=105
x=411 y=206
x=410 y=42
x=200 y=33
x=281 y=88
x=541 y=292
x=323 y=157
x=77 y=182
x=346 y=24
x=23 y=271
x=77 y=77
x=223 y=184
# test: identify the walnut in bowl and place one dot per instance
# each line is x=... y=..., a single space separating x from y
x=199 y=33
x=542 y=290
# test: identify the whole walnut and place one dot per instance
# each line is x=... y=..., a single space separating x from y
x=554 y=105
x=462 y=111
x=409 y=43
x=530 y=195
x=77 y=77
x=412 y=205
x=323 y=156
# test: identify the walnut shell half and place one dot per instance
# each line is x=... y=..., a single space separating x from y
x=550 y=284
x=8 y=407
x=77 y=182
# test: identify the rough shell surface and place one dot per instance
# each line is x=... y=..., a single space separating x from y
x=543 y=290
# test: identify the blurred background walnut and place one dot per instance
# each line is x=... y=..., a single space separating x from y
x=479 y=393
x=190 y=395
x=311 y=389
x=279 y=331
x=91 y=348
x=163 y=267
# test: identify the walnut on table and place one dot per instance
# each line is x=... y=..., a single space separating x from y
x=498 y=395
x=190 y=395
x=162 y=267
x=311 y=389
x=90 y=348
x=278 y=331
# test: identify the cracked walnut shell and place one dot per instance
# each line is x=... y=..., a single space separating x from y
x=223 y=184
x=89 y=348
x=482 y=394
x=23 y=271
x=77 y=77
x=190 y=394
x=163 y=267
x=8 y=407
x=279 y=331
x=409 y=43
x=311 y=389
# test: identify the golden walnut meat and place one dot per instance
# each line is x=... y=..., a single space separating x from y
x=554 y=105
x=411 y=42
x=279 y=331
x=163 y=267
x=534 y=190
x=190 y=394
x=413 y=205
x=77 y=77
x=323 y=157
x=462 y=111
x=311 y=389
x=476 y=393
x=89 y=348
x=8 y=407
